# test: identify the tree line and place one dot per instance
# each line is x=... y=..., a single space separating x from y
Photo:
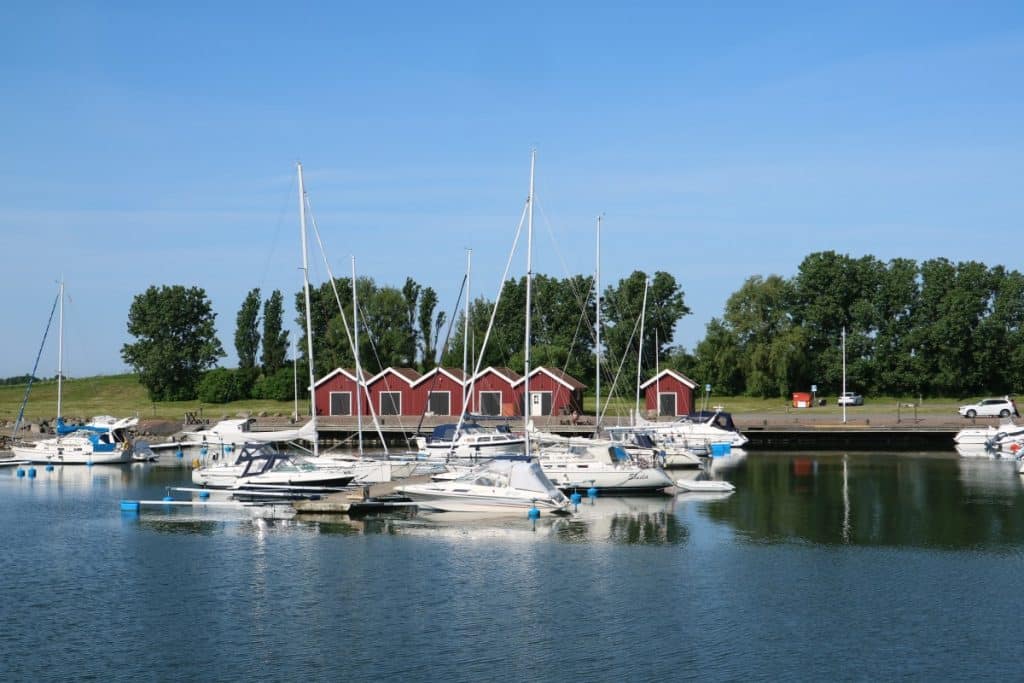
x=936 y=328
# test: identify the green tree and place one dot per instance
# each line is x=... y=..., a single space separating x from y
x=247 y=330
x=275 y=339
x=175 y=340
x=772 y=355
x=718 y=360
x=223 y=385
x=621 y=307
x=428 y=328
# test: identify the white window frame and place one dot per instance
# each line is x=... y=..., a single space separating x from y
x=380 y=402
x=330 y=402
x=480 y=400
x=448 y=393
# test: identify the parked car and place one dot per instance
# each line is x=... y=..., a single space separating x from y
x=990 y=407
x=850 y=398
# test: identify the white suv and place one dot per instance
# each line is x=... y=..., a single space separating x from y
x=990 y=407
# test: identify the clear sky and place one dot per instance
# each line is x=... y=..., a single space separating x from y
x=155 y=143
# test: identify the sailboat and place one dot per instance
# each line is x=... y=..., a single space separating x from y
x=506 y=483
x=585 y=462
x=104 y=439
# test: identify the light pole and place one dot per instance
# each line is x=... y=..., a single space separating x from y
x=843 y=395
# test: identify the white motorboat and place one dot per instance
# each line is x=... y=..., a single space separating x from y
x=222 y=437
x=469 y=442
x=705 y=486
x=260 y=465
x=710 y=427
x=506 y=484
x=604 y=466
x=981 y=436
x=676 y=450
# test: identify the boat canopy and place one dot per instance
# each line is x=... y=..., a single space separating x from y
x=716 y=418
x=511 y=472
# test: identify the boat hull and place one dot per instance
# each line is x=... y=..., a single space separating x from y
x=446 y=500
x=70 y=456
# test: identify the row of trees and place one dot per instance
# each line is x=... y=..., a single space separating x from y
x=935 y=328
x=176 y=345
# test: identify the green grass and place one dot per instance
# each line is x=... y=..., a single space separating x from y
x=121 y=396
x=739 y=405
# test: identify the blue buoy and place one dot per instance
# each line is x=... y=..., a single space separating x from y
x=228 y=449
x=203 y=451
x=179 y=454
x=204 y=495
x=49 y=467
x=592 y=492
x=533 y=513
x=31 y=472
x=20 y=472
x=129 y=506
x=88 y=464
x=575 y=498
x=168 y=499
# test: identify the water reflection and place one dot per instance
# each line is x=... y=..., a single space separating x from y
x=926 y=500
x=619 y=520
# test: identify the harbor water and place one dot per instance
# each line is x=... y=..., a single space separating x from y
x=852 y=566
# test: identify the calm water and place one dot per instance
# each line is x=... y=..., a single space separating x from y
x=847 y=567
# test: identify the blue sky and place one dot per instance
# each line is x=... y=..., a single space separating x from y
x=147 y=143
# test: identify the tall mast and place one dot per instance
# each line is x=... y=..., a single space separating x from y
x=60 y=354
x=597 y=324
x=640 y=347
x=529 y=288
x=355 y=352
x=309 y=318
x=465 y=331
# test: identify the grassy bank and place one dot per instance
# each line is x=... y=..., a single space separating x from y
x=122 y=395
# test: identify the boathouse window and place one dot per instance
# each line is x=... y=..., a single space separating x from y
x=490 y=403
x=439 y=402
x=667 y=404
x=390 y=403
x=341 y=403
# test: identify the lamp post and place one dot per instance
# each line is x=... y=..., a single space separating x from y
x=843 y=395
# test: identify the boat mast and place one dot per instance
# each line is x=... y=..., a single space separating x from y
x=640 y=347
x=60 y=356
x=529 y=280
x=309 y=318
x=355 y=352
x=597 y=346
x=465 y=332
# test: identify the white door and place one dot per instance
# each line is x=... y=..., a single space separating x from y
x=536 y=404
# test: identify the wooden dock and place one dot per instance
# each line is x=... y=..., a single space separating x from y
x=372 y=498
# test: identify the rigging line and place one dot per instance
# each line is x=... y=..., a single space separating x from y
x=490 y=323
x=447 y=336
x=578 y=293
x=387 y=382
x=284 y=210
x=615 y=378
x=344 y=321
x=35 y=367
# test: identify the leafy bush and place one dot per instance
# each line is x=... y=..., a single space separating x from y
x=278 y=386
x=221 y=385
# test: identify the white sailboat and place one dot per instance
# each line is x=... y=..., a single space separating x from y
x=503 y=484
x=103 y=439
